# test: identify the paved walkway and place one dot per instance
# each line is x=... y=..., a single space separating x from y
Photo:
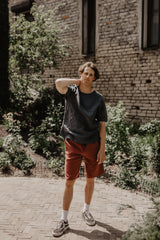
x=30 y=208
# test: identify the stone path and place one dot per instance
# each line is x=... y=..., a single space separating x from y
x=30 y=208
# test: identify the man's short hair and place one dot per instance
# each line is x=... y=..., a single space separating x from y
x=92 y=66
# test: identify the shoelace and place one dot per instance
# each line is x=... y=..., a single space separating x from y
x=88 y=215
x=60 y=224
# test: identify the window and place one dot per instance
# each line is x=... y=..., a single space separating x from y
x=23 y=6
x=151 y=24
x=88 y=26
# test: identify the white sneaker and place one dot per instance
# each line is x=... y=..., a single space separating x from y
x=88 y=218
x=61 y=228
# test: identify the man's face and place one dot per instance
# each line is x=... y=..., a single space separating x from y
x=88 y=76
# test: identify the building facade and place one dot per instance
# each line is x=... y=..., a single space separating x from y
x=122 y=37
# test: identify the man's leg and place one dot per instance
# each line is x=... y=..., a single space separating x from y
x=89 y=188
x=73 y=161
x=68 y=194
x=67 y=198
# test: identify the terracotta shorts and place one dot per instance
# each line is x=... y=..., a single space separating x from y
x=74 y=154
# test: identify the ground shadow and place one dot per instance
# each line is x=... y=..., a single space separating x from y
x=109 y=233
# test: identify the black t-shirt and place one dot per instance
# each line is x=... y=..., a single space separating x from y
x=82 y=115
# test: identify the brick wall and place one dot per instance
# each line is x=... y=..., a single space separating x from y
x=128 y=74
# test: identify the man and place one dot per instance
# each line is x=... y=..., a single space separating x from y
x=84 y=131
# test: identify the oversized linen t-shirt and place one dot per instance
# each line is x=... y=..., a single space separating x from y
x=83 y=112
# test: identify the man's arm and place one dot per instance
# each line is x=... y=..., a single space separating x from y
x=101 y=154
x=63 y=83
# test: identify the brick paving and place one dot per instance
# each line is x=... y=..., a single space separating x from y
x=30 y=208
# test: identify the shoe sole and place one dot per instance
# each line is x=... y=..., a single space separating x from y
x=60 y=234
x=90 y=224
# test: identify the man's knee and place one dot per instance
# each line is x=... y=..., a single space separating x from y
x=89 y=181
x=69 y=183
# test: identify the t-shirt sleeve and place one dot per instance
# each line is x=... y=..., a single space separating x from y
x=102 y=112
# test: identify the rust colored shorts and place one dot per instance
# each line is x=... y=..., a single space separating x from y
x=73 y=159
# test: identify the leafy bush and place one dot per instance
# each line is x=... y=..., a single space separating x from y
x=5 y=162
x=41 y=142
x=13 y=142
x=155 y=156
x=1 y=145
x=13 y=150
x=36 y=112
x=13 y=146
x=126 y=177
x=149 y=229
x=4 y=159
x=33 y=47
x=117 y=138
x=133 y=128
x=12 y=125
x=119 y=148
x=150 y=186
x=43 y=138
x=1 y=114
x=40 y=127
x=150 y=127
x=23 y=162
x=56 y=164
x=139 y=152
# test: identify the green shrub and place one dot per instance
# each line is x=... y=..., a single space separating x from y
x=150 y=127
x=139 y=152
x=133 y=149
x=155 y=156
x=1 y=145
x=40 y=127
x=43 y=143
x=48 y=107
x=1 y=114
x=48 y=100
x=149 y=229
x=119 y=148
x=133 y=128
x=117 y=137
x=126 y=177
x=56 y=164
x=13 y=146
x=34 y=46
x=23 y=162
x=37 y=113
x=12 y=125
x=150 y=186
x=43 y=138
x=5 y=162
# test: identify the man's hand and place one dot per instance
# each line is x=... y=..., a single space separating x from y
x=101 y=156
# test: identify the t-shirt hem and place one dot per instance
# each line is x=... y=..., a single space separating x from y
x=80 y=141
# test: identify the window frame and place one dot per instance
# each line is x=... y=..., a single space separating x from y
x=147 y=12
x=88 y=27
